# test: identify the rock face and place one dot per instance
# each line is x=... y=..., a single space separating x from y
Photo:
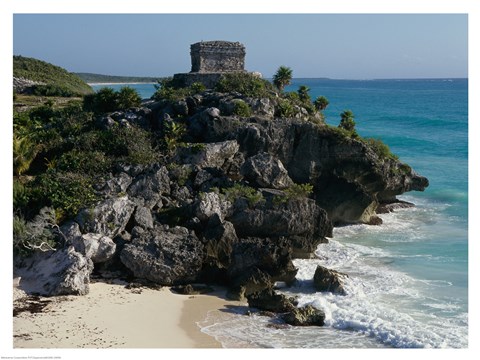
x=53 y=273
x=98 y=248
x=329 y=280
x=164 y=256
x=306 y=316
x=107 y=218
x=268 y=300
x=349 y=178
x=263 y=170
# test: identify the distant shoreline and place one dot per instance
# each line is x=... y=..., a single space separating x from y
x=120 y=83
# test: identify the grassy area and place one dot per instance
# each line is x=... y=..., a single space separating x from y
x=54 y=77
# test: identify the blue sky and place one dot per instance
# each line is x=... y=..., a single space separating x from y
x=354 y=46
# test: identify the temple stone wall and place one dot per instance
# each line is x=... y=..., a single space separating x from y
x=210 y=60
x=217 y=56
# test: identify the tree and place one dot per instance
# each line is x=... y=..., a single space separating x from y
x=282 y=77
x=303 y=93
x=321 y=103
x=347 y=121
x=128 y=97
x=24 y=152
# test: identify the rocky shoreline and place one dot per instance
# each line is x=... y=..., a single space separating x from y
x=231 y=205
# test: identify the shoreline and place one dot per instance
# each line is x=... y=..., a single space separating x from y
x=112 y=316
x=121 y=83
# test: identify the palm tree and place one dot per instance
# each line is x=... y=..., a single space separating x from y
x=24 y=151
x=303 y=93
x=347 y=121
x=282 y=77
x=321 y=103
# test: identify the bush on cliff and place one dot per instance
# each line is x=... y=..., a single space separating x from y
x=248 y=84
x=108 y=100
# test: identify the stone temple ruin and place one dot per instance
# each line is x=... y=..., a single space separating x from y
x=212 y=59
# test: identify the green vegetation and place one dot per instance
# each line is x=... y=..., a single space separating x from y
x=248 y=84
x=282 y=77
x=237 y=191
x=241 y=108
x=380 y=148
x=321 y=103
x=36 y=234
x=168 y=89
x=303 y=94
x=294 y=192
x=58 y=81
x=63 y=154
x=347 y=123
x=108 y=100
x=99 y=78
x=128 y=97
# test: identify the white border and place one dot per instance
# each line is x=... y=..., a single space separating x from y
x=10 y=7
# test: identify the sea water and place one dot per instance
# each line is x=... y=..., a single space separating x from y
x=407 y=284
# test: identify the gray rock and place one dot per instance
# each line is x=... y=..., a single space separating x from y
x=213 y=155
x=269 y=300
x=305 y=316
x=262 y=107
x=220 y=238
x=53 y=273
x=146 y=189
x=143 y=217
x=209 y=204
x=263 y=170
x=118 y=184
x=329 y=280
x=71 y=231
x=97 y=247
x=108 y=217
x=166 y=257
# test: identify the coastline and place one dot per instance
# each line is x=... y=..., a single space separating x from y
x=112 y=316
x=120 y=83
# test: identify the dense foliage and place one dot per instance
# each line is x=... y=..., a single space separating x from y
x=64 y=153
x=247 y=84
x=58 y=80
x=99 y=78
x=107 y=100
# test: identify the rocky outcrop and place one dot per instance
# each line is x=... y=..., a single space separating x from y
x=268 y=300
x=329 y=280
x=147 y=188
x=263 y=170
x=305 y=316
x=109 y=217
x=99 y=248
x=214 y=155
x=53 y=273
x=164 y=256
x=350 y=179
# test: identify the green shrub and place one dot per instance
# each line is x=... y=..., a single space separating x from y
x=66 y=192
x=237 y=191
x=241 y=108
x=285 y=109
x=245 y=83
x=294 y=192
x=380 y=148
x=51 y=90
x=128 y=97
x=103 y=101
x=86 y=162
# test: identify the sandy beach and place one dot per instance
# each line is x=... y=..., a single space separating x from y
x=112 y=316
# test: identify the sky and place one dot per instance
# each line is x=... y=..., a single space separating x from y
x=342 y=46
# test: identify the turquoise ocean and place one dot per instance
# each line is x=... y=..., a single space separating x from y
x=408 y=278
